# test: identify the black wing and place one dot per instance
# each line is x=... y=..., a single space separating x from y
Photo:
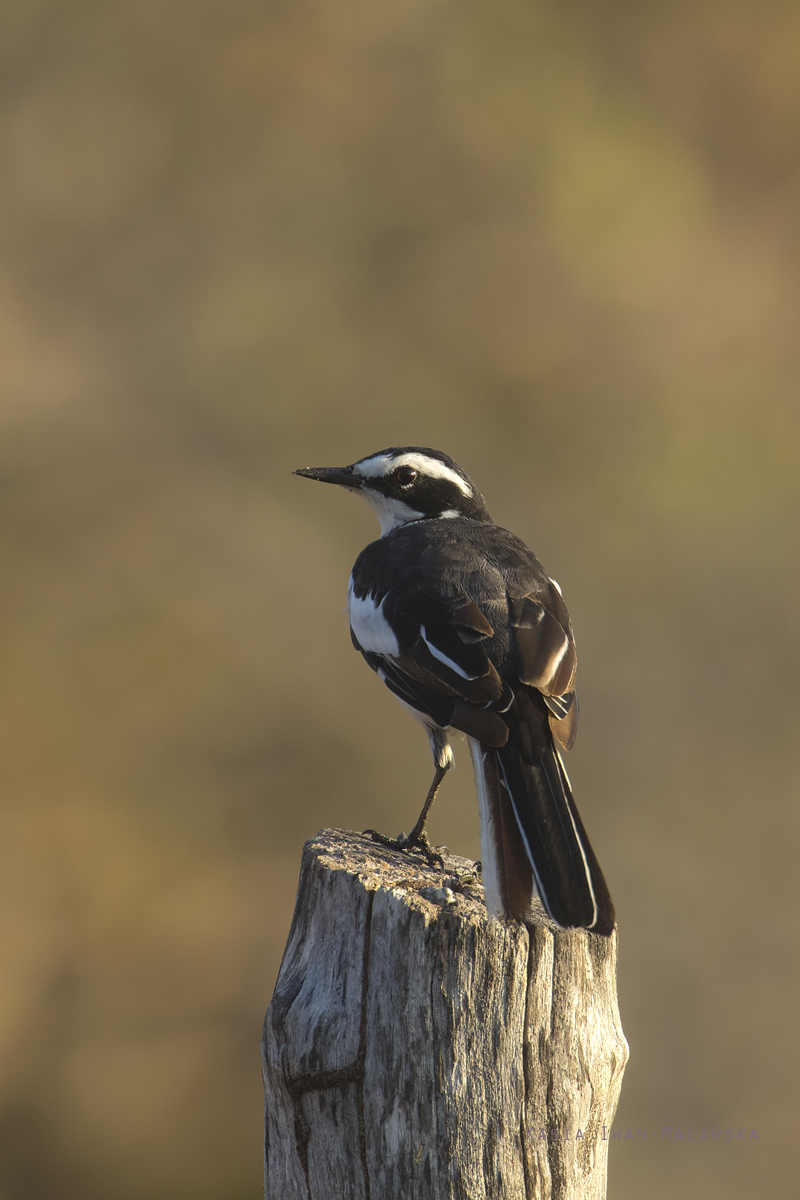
x=443 y=669
x=497 y=624
x=545 y=656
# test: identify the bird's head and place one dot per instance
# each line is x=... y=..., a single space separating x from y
x=407 y=483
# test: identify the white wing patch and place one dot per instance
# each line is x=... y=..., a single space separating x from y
x=373 y=632
x=384 y=464
x=554 y=662
x=448 y=662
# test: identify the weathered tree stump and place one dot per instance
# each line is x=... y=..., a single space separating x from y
x=415 y=1049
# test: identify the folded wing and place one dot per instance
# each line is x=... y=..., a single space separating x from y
x=545 y=657
x=442 y=667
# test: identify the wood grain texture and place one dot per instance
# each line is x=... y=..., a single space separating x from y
x=415 y=1048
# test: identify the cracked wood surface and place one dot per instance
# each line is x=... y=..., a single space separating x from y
x=414 y=1048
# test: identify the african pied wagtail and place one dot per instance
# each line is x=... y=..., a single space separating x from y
x=460 y=621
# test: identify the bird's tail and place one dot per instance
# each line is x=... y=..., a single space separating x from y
x=532 y=838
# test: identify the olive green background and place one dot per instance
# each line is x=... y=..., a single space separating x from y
x=558 y=240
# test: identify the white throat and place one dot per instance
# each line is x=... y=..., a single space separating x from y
x=391 y=513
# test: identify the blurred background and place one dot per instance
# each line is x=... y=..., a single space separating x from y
x=558 y=240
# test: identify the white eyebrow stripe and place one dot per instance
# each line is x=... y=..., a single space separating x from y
x=384 y=464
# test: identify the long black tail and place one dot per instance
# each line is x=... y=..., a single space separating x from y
x=532 y=836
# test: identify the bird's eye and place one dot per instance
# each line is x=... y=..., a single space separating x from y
x=405 y=476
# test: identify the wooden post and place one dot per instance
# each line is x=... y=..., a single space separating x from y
x=416 y=1050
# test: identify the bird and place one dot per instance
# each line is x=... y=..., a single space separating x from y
x=458 y=618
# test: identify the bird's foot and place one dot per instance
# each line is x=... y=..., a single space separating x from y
x=466 y=879
x=415 y=841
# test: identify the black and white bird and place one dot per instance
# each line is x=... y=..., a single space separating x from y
x=458 y=618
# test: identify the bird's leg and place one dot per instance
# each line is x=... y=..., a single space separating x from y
x=418 y=838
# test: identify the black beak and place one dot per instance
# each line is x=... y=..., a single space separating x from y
x=340 y=475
